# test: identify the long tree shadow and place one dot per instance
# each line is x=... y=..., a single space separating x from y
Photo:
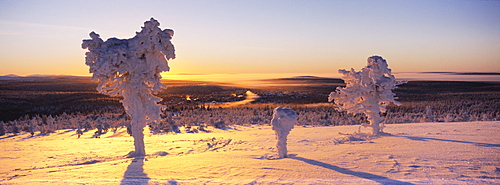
x=7 y=137
x=369 y=176
x=135 y=173
x=449 y=140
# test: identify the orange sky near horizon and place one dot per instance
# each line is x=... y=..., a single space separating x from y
x=260 y=37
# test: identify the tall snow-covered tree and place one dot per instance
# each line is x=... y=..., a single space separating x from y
x=368 y=91
x=131 y=68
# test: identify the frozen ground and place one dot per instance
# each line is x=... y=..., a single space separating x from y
x=418 y=153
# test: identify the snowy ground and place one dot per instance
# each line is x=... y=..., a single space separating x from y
x=418 y=153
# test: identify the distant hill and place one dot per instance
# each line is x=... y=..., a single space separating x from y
x=310 y=79
x=467 y=73
x=38 y=76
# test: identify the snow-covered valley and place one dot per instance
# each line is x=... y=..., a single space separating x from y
x=417 y=153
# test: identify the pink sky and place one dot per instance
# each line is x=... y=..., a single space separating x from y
x=260 y=37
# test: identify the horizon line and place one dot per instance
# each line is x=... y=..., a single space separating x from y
x=255 y=78
x=264 y=73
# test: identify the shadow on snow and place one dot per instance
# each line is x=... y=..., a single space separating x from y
x=135 y=173
x=369 y=176
x=449 y=140
x=67 y=131
x=6 y=137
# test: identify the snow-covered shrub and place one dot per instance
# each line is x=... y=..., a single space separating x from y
x=282 y=123
x=368 y=91
x=131 y=68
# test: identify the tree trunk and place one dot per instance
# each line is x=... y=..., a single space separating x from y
x=138 y=122
x=374 y=119
x=281 y=144
x=138 y=134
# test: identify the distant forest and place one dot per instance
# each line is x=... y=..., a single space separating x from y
x=74 y=102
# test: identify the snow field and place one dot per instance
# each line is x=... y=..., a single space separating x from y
x=418 y=153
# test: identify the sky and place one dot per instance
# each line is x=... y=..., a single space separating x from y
x=259 y=37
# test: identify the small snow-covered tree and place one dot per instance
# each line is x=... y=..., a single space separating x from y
x=282 y=122
x=15 y=128
x=131 y=68
x=428 y=114
x=368 y=91
x=31 y=127
x=79 y=131
x=3 y=130
x=50 y=127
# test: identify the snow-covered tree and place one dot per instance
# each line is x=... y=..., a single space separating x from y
x=79 y=131
x=428 y=114
x=368 y=91
x=3 y=130
x=50 y=126
x=131 y=68
x=31 y=127
x=15 y=128
x=282 y=122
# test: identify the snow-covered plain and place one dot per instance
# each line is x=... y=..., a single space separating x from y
x=417 y=153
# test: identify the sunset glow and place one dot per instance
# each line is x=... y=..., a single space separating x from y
x=250 y=92
x=260 y=37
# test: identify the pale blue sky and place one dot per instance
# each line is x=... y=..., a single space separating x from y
x=302 y=37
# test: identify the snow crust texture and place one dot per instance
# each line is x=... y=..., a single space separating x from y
x=131 y=68
x=416 y=153
x=282 y=123
x=368 y=91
